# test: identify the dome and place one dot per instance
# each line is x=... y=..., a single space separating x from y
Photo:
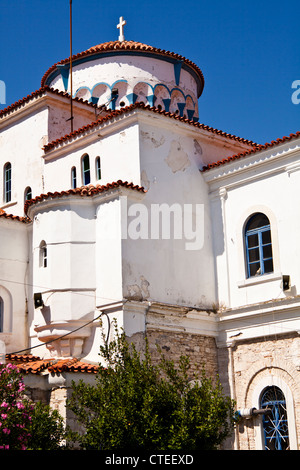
x=120 y=73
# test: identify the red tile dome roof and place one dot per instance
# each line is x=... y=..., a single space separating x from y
x=121 y=46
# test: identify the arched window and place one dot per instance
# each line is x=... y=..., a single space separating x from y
x=86 y=172
x=275 y=424
x=73 y=178
x=7 y=182
x=1 y=315
x=258 y=245
x=43 y=255
x=98 y=168
x=28 y=194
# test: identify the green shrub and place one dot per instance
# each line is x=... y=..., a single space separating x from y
x=135 y=405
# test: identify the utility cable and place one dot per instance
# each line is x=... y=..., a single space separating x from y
x=69 y=333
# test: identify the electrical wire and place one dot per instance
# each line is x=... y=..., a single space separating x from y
x=70 y=332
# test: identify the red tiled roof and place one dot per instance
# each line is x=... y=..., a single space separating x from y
x=29 y=364
x=83 y=191
x=73 y=365
x=141 y=105
x=4 y=215
x=40 y=92
x=255 y=149
x=118 y=46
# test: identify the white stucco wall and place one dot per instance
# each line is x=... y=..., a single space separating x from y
x=15 y=289
x=21 y=143
x=118 y=151
x=67 y=283
x=270 y=187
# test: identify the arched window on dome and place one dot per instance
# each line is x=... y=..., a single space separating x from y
x=86 y=171
x=162 y=97
x=258 y=245
x=178 y=102
x=275 y=422
x=98 y=168
x=73 y=177
x=7 y=182
x=143 y=93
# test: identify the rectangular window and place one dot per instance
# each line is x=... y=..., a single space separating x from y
x=7 y=182
x=98 y=168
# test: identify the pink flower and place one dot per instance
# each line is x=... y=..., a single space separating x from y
x=4 y=416
x=20 y=406
x=6 y=431
x=4 y=404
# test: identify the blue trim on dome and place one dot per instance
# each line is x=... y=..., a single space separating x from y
x=96 y=56
x=177 y=71
x=64 y=70
x=131 y=98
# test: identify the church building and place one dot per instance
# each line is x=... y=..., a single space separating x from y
x=119 y=204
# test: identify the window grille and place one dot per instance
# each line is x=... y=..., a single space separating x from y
x=275 y=423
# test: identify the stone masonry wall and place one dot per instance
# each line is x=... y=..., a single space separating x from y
x=250 y=364
x=201 y=350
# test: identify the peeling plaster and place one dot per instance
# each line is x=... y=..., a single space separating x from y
x=136 y=292
x=177 y=159
x=144 y=180
x=198 y=148
x=151 y=139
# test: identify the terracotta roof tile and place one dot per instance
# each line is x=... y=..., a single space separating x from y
x=132 y=107
x=118 y=46
x=40 y=92
x=28 y=363
x=90 y=190
x=256 y=148
x=73 y=365
x=4 y=215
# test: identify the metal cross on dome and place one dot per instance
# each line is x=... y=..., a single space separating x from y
x=120 y=26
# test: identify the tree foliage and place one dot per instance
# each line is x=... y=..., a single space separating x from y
x=25 y=425
x=137 y=405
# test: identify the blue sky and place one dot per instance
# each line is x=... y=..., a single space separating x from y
x=247 y=50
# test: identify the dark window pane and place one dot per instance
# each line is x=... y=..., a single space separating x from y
x=254 y=269
x=267 y=251
x=253 y=255
x=266 y=237
x=268 y=266
x=256 y=221
x=252 y=240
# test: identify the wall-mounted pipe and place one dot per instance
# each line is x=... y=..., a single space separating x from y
x=250 y=412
